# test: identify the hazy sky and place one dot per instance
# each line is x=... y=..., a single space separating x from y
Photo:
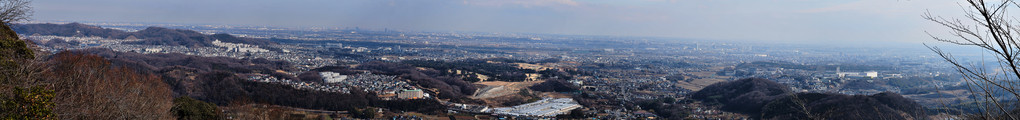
x=863 y=22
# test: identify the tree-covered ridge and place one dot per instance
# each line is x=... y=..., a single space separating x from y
x=767 y=99
x=149 y=36
x=886 y=105
x=742 y=96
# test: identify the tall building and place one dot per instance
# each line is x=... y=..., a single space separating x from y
x=411 y=94
x=332 y=77
x=868 y=74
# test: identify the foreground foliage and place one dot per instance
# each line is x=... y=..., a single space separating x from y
x=186 y=108
x=25 y=104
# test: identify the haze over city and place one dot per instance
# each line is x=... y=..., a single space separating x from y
x=854 y=22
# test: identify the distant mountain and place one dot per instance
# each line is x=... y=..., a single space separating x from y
x=70 y=29
x=767 y=99
x=150 y=36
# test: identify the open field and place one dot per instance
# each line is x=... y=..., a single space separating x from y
x=707 y=78
x=500 y=88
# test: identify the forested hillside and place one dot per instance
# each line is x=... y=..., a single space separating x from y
x=767 y=99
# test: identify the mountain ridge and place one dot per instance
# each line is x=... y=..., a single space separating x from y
x=149 y=36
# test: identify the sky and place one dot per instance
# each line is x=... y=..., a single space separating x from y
x=852 y=22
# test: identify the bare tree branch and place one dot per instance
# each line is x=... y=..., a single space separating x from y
x=15 y=10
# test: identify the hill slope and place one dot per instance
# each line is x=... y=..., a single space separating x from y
x=767 y=99
x=884 y=105
x=742 y=96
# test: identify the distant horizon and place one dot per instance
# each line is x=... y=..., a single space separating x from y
x=858 y=22
x=894 y=44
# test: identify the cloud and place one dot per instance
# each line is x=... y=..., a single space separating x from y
x=862 y=6
x=523 y=3
x=884 y=7
x=670 y=1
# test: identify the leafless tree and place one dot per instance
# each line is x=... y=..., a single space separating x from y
x=14 y=10
x=986 y=25
x=89 y=87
